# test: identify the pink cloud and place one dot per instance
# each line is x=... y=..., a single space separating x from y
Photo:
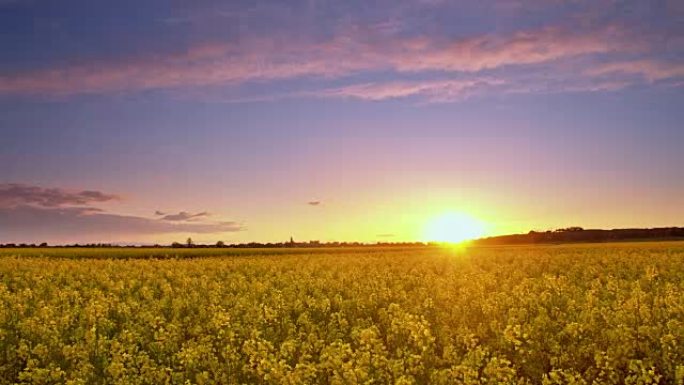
x=449 y=90
x=435 y=91
x=542 y=86
x=651 y=70
x=351 y=51
x=490 y=51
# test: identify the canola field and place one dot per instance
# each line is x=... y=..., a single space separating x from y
x=567 y=314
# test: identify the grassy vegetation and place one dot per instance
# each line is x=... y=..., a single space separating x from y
x=582 y=314
x=190 y=253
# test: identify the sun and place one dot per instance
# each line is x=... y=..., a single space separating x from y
x=453 y=227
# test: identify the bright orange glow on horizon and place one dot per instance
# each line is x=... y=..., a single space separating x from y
x=453 y=227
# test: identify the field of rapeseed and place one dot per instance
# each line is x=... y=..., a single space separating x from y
x=585 y=314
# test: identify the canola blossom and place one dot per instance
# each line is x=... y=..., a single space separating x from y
x=585 y=314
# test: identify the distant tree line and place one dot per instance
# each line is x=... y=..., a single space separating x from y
x=309 y=244
x=578 y=234
x=44 y=244
x=573 y=234
x=221 y=244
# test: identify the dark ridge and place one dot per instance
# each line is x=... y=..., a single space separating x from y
x=578 y=234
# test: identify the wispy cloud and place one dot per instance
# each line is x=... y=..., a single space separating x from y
x=34 y=224
x=385 y=235
x=493 y=51
x=432 y=90
x=397 y=55
x=314 y=203
x=32 y=213
x=183 y=216
x=651 y=70
x=13 y=194
x=349 y=51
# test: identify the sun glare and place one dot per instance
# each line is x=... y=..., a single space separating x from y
x=453 y=228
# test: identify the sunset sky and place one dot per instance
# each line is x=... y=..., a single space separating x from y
x=151 y=121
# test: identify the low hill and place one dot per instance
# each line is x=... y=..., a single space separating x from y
x=578 y=234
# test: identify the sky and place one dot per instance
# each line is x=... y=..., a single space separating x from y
x=146 y=121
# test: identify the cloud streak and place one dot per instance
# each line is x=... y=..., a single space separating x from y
x=434 y=90
x=34 y=224
x=13 y=194
x=354 y=53
x=650 y=70
x=34 y=214
x=352 y=50
x=183 y=216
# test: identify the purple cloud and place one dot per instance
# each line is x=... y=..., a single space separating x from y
x=349 y=51
x=183 y=216
x=398 y=45
x=433 y=90
x=650 y=70
x=32 y=214
x=34 y=224
x=19 y=194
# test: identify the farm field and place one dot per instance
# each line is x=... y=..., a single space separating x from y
x=564 y=314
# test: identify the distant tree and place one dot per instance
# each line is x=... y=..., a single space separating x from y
x=44 y=244
x=220 y=244
x=189 y=242
x=176 y=245
x=569 y=229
